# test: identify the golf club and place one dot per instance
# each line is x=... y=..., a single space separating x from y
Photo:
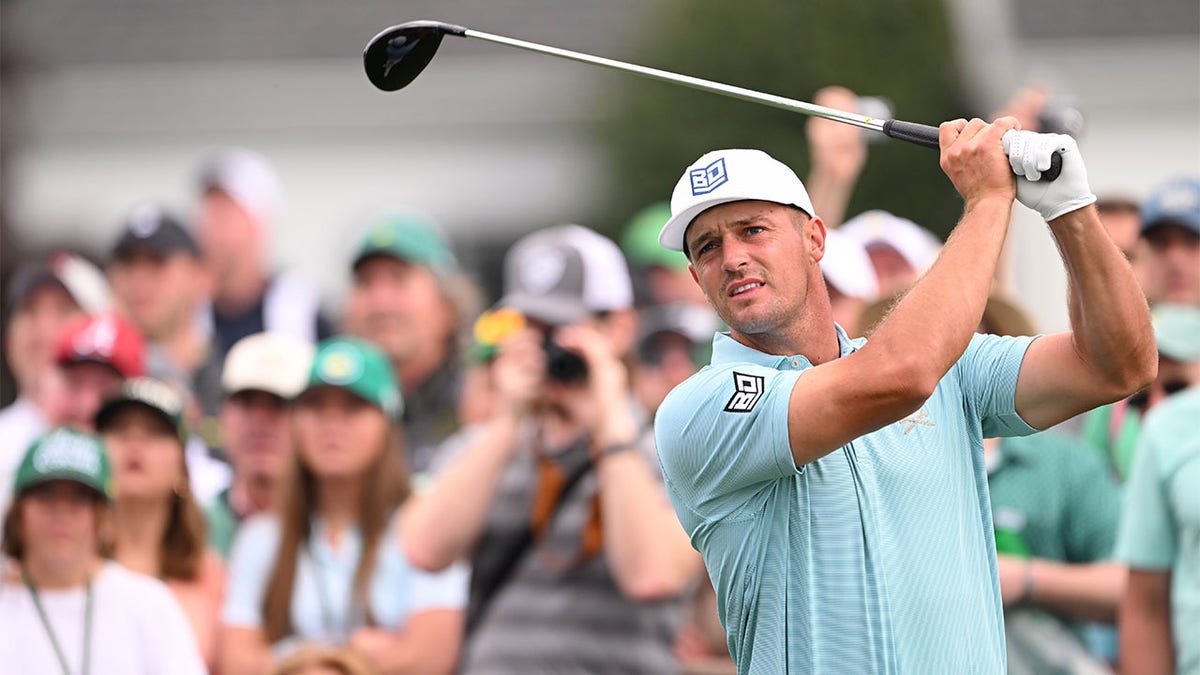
x=397 y=55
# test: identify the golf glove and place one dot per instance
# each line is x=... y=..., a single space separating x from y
x=1029 y=155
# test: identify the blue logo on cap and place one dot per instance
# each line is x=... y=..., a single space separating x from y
x=709 y=178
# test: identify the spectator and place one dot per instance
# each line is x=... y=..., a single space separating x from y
x=849 y=278
x=328 y=569
x=661 y=276
x=900 y=250
x=162 y=285
x=410 y=301
x=95 y=356
x=1171 y=225
x=592 y=580
x=1123 y=220
x=1160 y=542
x=674 y=342
x=240 y=197
x=837 y=154
x=262 y=374
x=158 y=529
x=43 y=299
x=65 y=608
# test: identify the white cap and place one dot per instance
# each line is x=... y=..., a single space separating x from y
x=915 y=244
x=248 y=178
x=723 y=176
x=560 y=274
x=847 y=266
x=272 y=362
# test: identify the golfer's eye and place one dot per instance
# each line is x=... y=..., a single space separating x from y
x=754 y=229
x=706 y=247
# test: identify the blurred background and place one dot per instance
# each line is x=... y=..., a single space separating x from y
x=106 y=103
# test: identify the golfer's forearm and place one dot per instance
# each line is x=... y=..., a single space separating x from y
x=441 y=524
x=1110 y=320
x=942 y=312
x=1084 y=592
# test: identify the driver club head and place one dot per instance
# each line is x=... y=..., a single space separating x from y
x=397 y=55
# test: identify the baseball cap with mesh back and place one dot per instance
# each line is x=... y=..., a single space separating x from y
x=723 y=176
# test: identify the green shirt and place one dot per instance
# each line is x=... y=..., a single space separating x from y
x=1113 y=430
x=1160 y=524
x=222 y=523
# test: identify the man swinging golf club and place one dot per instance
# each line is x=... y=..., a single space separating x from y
x=836 y=488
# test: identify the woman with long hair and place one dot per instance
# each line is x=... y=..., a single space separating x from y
x=63 y=607
x=328 y=568
x=158 y=528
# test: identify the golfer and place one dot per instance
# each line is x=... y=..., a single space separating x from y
x=836 y=488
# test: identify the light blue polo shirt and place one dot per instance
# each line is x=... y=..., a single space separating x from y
x=877 y=558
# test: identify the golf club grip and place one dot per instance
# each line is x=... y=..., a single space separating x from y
x=923 y=134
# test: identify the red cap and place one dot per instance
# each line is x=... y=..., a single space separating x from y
x=107 y=339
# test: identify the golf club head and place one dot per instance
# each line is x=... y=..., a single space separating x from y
x=396 y=56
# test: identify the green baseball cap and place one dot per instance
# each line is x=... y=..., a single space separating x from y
x=360 y=368
x=64 y=453
x=408 y=237
x=640 y=242
x=1177 y=331
x=147 y=392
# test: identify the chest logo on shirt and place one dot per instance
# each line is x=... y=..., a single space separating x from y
x=921 y=418
x=748 y=389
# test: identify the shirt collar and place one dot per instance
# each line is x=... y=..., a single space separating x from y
x=728 y=350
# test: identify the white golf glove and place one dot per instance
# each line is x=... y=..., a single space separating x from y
x=1029 y=154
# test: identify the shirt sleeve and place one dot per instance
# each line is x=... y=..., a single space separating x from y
x=440 y=590
x=250 y=564
x=1093 y=503
x=1146 y=539
x=723 y=434
x=987 y=373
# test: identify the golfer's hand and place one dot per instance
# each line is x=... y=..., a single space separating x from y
x=974 y=160
x=1029 y=155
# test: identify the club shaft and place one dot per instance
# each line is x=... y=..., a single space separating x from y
x=688 y=81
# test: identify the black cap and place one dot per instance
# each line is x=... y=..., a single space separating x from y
x=81 y=280
x=151 y=228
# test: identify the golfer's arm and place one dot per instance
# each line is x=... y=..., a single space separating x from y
x=1110 y=352
x=914 y=347
x=1145 y=624
x=1087 y=592
x=440 y=524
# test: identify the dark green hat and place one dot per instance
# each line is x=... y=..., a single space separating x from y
x=408 y=237
x=147 y=392
x=360 y=368
x=66 y=454
x=640 y=242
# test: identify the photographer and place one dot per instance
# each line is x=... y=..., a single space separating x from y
x=578 y=561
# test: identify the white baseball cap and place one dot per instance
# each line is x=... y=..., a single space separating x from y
x=272 y=362
x=915 y=244
x=248 y=178
x=723 y=176
x=847 y=266
x=561 y=274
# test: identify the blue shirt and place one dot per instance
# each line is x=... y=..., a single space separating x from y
x=876 y=558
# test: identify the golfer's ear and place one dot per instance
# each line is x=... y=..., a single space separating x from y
x=815 y=230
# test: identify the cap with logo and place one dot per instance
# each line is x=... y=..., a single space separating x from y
x=247 y=178
x=276 y=363
x=1177 y=331
x=410 y=237
x=640 y=241
x=724 y=176
x=106 y=339
x=915 y=244
x=847 y=267
x=1175 y=203
x=358 y=367
x=64 y=453
x=154 y=230
x=562 y=274
x=80 y=279
x=155 y=395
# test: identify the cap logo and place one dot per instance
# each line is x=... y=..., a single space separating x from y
x=383 y=235
x=64 y=451
x=340 y=367
x=708 y=178
x=1181 y=198
x=155 y=393
x=543 y=269
x=144 y=221
x=98 y=338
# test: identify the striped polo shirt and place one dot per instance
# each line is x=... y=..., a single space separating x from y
x=876 y=558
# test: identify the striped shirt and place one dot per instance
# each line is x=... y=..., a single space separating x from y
x=877 y=558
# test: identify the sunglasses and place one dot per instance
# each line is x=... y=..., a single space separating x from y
x=1141 y=400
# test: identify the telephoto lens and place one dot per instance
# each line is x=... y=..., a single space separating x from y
x=563 y=365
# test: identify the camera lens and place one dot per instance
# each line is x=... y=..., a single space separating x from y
x=563 y=365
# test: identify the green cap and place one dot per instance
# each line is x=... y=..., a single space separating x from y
x=408 y=237
x=66 y=454
x=641 y=239
x=360 y=368
x=156 y=395
x=1177 y=331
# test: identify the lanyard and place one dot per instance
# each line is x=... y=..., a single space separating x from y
x=87 y=626
x=331 y=628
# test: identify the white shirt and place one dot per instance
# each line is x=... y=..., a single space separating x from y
x=137 y=628
x=20 y=424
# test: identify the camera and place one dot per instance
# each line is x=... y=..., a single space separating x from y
x=1061 y=118
x=563 y=365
